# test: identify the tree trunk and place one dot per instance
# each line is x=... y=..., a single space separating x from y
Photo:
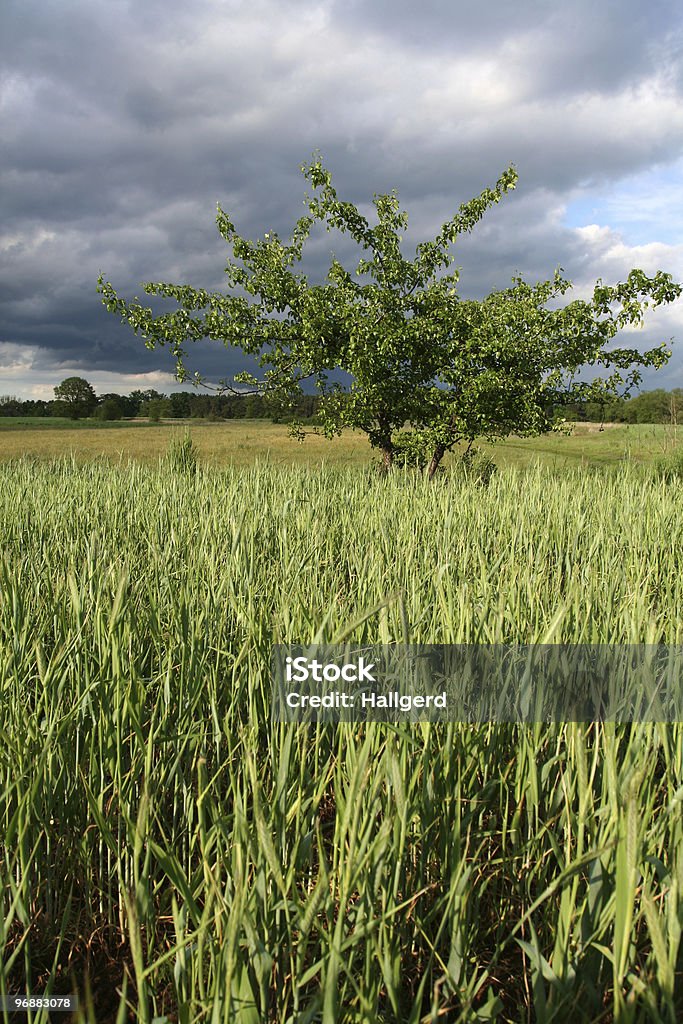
x=439 y=453
x=381 y=438
x=387 y=457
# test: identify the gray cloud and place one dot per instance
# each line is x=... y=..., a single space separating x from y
x=123 y=124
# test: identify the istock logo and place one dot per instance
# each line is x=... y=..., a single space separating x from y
x=298 y=670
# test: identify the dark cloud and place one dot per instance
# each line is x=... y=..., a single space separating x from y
x=124 y=124
x=557 y=47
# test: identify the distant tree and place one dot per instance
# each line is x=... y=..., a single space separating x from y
x=128 y=406
x=595 y=412
x=181 y=404
x=652 y=407
x=149 y=395
x=62 y=410
x=135 y=397
x=254 y=408
x=656 y=406
x=138 y=398
x=78 y=396
x=226 y=406
x=10 y=406
x=111 y=407
x=201 y=406
x=156 y=409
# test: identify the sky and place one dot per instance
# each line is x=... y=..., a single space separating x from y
x=124 y=124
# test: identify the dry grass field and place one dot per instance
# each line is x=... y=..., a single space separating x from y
x=242 y=442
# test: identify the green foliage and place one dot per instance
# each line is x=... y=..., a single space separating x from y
x=656 y=406
x=138 y=398
x=409 y=449
x=60 y=409
x=78 y=396
x=416 y=352
x=109 y=408
x=156 y=408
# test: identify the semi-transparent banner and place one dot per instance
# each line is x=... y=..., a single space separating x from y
x=478 y=683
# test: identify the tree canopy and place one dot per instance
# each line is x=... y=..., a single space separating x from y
x=427 y=368
x=78 y=396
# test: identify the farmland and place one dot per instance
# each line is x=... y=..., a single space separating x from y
x=240 y=442
x=171 y=853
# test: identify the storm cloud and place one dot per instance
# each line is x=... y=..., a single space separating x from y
x=124 y=124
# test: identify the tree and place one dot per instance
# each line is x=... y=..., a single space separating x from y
x=78 y=397
x=111 y=407
x=156 y=409
x=10 y=405
x=136 y=399
x=181 y=404
x=656 y=407
x=418 y=356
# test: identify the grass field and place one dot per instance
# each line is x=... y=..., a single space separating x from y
x=50 y=423
x=172 y=855
x=240 y=442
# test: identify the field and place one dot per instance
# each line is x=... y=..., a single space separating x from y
x=172 y=855
x=240 y=442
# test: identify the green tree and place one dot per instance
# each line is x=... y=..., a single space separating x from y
x=78 y=396
x=138 y=398
x=10 y=405
x=427 y=369
x=657 y=406
x=111 y=407
x=181 y=404
x=156 y=409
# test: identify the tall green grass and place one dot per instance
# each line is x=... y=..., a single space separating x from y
x=169 y=852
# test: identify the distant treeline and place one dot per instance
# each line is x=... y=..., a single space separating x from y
x=657 y=406
x=156 y=406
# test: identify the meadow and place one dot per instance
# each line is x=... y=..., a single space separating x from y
x=172 y=855
x=240 y=442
